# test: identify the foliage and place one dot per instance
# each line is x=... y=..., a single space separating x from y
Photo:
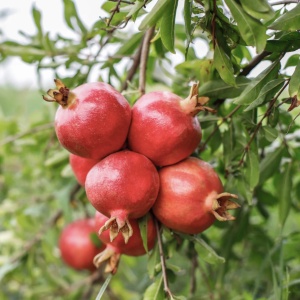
x=251 y=75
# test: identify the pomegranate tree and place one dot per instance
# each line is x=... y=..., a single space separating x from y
x=191 y=197
x=165 y=127
x=81 y=166
x=92 y=120
x=122 y=186
x=115 y=248
x=76 y=245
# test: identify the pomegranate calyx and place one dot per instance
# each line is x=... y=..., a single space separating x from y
x=62 y=95
x=193 y=104
x=115 y=225
x=111 y=257
x=126 y=231
x=221 y=205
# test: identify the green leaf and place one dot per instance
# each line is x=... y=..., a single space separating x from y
x=135 y=8
x=202 y=69
x=270 y=133
x=294 y=85
x=206 y=253
x=187 y=14
x=71 y=17
x=252 y=31
x=223 y=65
x=155 y=290
x=37 y=20
x=267 y=92
x=258 y=9
x=167 y=26
x=289 y=21
x=143 y=225
x=57 y=158
x=270 y=164
x=287 y=42
x=252 y=169
x=292 y=61
x=284 y=193
x=154 y=15
x=217 y=88
x=153 y=261
x=104 y=287
x=252 y=91
x=6 y=268
x=173 y=297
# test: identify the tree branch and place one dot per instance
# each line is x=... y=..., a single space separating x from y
x=259 y=124
x=162 y=260
x=284 y=2
x=36 y=129
x=218 y=126
x=254 y=62
x=144 y=59
x=38 y=237
x=133 y=69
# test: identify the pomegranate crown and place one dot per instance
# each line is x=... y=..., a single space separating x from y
x=62 y=95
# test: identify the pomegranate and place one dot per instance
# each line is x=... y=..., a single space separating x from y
x=81 y=166
x=122 y=186
x=114 y=249
x=165 y=127
x=76 y=246
x=191 y=197
x=92 y=120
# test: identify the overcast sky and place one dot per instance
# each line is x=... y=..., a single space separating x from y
x=13 y=71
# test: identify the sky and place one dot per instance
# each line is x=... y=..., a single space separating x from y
x=15 y=72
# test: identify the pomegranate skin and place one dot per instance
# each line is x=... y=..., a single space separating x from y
x=113 y=251
x=122 y=186
x=75 y=244
x=135 y=246
x=80 y=167
x=164 y=128
x=187 y=197
x=96 y=121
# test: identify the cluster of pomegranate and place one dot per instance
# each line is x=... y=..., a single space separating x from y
x=131 y=161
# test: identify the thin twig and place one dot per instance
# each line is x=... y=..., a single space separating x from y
x=259 y=124
x=133 y=69
x=162 y=260
x=36 y=129
x=254 y=62
x=284 y=2
x=144 y=59
x=194 y=266
x=122 y=1
x=37 y=238
x=218 y=126
x=113 y=12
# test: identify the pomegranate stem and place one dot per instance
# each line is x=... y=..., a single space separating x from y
x=162 y=260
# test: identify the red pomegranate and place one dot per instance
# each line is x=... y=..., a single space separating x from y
x=191 y=197
x=81 y=166
x=114 y=249
x=76 y=246
x=93 y=119
x=122 y=186
x=165 y=127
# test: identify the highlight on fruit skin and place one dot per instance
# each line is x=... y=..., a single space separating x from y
x=92 y=120
x=191 y=197
x=165 y=127
x=122 y=186
x=114 y=249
